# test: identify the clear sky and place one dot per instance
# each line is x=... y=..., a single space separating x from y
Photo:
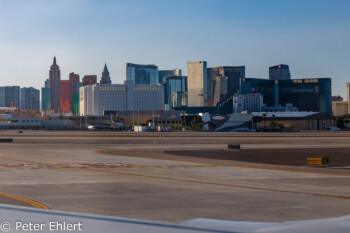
x=311 y=36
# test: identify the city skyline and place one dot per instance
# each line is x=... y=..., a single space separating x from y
x=310 y=37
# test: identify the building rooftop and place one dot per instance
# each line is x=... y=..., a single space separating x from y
x=141 y=66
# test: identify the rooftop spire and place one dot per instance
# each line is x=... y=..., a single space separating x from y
x=105 y=69
x=54 y=60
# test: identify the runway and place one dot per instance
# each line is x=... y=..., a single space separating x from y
x=176 y=177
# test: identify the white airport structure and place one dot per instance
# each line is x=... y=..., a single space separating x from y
x=96 y=98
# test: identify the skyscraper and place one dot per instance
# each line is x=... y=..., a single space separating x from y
x=73 y=91
x=142 y=74
x=233 y=75
x=348 y=97
x=65 y=96
x=313 y=94
x=105 y=79
x=45 y=99
x=9 y=96
x=279 y=72
x=30 y=99
x=55 y=86
x=175 y=84
x=162 y=74
x=197 y=84
x=89 y=79
x=218 y=88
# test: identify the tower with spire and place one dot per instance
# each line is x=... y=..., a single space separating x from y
x=55 y=86
x=105 y=79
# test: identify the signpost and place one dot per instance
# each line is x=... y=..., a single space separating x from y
x=318 y=161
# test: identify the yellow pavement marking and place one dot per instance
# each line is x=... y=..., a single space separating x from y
x=29 y=201
x=222 y=165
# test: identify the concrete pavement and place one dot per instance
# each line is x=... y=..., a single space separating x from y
x=155 y=185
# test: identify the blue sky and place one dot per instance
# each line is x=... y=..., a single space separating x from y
x=312 y=37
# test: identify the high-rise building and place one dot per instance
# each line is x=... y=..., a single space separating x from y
x=162 y=74
x=174 y=84
x=348 y=95
x=2 y=96
x=65 y=96
x=179 y=99
x=10 y=96
x=249 y=103
x=55 y=86
x=89 y=80
x=76 y=99
x=74 y=80
x=279 y=72
x=97 y=98
x=339 y=108
x=142 y=74
x=197 y=83
x=259 y=85
x=306 y=94
x=233 y=75
x=30 y=99
x=105 y=79
x=45 y=99
x=219 y=88
x=47 y=83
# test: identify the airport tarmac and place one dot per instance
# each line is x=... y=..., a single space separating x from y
x=177 y=176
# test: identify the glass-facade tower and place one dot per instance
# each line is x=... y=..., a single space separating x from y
x=30 y=98
x=279 y=72
x=142 y=74
x=313 y=94
x=174 y=84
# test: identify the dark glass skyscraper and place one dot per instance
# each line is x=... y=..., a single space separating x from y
x=279 y=72
x=55 y=86
x=307 y=94
x=229 y=84
x=9 y=96
x=175 y=85
x=142 y=74
x=45 y=99
x=233 y=73
x=30 y=98
x=162 y=74
x=105 y=79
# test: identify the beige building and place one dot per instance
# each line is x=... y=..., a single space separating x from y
x=339 y=108
x=197 y=83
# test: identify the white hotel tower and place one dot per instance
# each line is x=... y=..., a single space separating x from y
x=94 y=99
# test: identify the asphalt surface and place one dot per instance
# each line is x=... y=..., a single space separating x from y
x=177 y=176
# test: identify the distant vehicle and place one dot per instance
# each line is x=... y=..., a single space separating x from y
x=111 y=126
x=116 y=125
x=333 y=129
x=100 y=127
